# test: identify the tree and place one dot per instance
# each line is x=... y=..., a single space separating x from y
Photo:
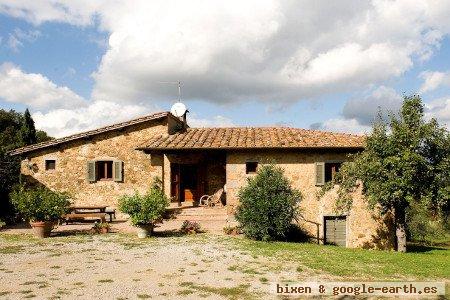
x=41 y=136
x=28 y=131
x=16 y=130
x=10 y=138
x=268 y=205
x=406 y=161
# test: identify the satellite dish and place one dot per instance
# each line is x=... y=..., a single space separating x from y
x=178 y=109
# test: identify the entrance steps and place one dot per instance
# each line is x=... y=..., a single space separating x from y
x=211 y=219
x=199 y=213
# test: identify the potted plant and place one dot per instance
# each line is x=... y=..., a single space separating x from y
x=145 y=210
x=101 y=227
x=190 y=227
x=40 y=206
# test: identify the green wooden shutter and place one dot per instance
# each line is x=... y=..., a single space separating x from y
x=118 y=170
x=91 y=171
x=320 y=173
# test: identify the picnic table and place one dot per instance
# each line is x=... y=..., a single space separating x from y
x=95 y=211
x=92 y=209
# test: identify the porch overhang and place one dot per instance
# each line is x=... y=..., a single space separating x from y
x=168 y=150
x=253 y=139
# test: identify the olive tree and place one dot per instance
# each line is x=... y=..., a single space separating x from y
x=406 y=161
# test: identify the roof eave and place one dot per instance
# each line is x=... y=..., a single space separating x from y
x=162 y=149
x=87 y=134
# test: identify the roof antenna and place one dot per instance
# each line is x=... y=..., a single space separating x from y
x=178 y=83
x=178 y=109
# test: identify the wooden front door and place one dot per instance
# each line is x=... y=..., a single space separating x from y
x=188 y=185
x=186 y=182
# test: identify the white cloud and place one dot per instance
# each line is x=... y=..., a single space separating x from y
x=60 y=111
x=271 y=51
x=359 y=113
x=63 y=122
x=343 y=125
x=216 y=121
x=36 y=12
x=366 y=108
x=433 y=80
x=35 y=90
x=345 y=64
x=440 y=110
x=275 y=52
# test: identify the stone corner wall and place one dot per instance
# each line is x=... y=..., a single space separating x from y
x=70 y=175
x=365 y=227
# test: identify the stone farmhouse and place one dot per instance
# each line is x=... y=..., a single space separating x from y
x=98 y=166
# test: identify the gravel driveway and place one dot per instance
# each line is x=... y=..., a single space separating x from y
x=120 y=266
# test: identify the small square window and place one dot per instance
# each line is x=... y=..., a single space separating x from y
x=251 y=167
x=50 y=164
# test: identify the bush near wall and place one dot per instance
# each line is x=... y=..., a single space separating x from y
x=268 y=205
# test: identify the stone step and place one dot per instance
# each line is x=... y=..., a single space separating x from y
x=202 y=218
x=199 y=211
x=201 y=214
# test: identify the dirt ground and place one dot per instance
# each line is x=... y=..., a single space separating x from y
x=120 y=266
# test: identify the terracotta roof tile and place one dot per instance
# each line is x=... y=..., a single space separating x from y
x=252 y=137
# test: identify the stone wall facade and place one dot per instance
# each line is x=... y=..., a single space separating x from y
x=364 y=225
x=70 y=174
x=365 y=228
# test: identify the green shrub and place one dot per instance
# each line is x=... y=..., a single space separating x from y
x=268 y=205
x=39 y=203
x=145 y=209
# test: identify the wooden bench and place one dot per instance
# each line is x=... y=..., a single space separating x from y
x=82 y=216
x=111 y=212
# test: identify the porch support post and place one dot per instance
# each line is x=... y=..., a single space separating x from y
x=166 y=176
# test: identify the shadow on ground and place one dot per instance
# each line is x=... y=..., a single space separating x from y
x=418 y=248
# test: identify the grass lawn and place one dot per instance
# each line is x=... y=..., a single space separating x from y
x=194 y=266
x=420 y=263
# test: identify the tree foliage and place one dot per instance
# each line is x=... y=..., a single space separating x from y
x=12 y=128
x=28 y=131
x=406 y=160
x=268 y=205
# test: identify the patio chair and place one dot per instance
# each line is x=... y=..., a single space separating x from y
x=212 y=200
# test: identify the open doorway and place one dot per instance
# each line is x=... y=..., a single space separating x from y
x=186 y=183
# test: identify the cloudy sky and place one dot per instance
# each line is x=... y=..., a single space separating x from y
x=314 y=64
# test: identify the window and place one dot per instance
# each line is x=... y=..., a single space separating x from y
x=330 y=171
x=104 y=170
x=251 y=167
x=50 y=164
x=326 y=171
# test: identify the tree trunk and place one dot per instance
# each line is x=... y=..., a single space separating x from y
x=400 y=229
